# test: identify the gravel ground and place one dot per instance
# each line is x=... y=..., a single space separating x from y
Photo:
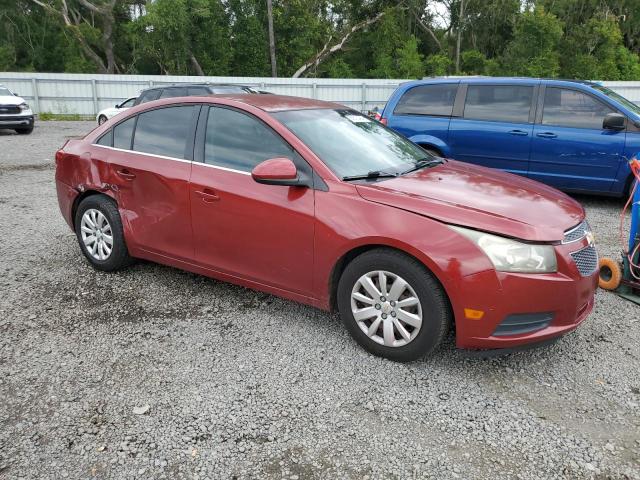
x=157 y=373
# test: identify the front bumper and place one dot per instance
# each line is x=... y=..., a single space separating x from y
x=567 y=296
x=16 y=121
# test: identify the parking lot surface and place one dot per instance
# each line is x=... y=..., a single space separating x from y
x=156 y=373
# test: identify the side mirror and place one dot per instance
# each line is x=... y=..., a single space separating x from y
x=614 y=121
x=16 y=94
x=276 y=171
x=117 y=105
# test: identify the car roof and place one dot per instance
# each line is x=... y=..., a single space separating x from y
x=279 y=103
x=486 y=79
x=201 y=84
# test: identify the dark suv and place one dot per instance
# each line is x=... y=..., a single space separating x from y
x=191 y=90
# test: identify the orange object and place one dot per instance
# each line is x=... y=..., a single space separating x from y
x=610 y=274
x=473 y=314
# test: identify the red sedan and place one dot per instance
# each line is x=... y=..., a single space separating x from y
x=319 y=204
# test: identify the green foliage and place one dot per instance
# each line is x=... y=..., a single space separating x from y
x=533 y=52
x=592 y=39
x=473 y=62
x=438 y=65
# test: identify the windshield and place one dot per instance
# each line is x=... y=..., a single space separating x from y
x=628 y=104
x=352 y=144
x=5 y=92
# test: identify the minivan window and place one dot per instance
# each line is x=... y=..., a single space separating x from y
x=122 y=134
x=148 y=96
x=570 y=108
x=174 y=92
x=164 y=131
x=498 y=103
x=428 y=100
x=619 y=98
x=193 y=91
x=239 y=141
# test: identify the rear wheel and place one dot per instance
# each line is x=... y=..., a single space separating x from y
x=100 y=235
x=24 y=130
x=392 y=306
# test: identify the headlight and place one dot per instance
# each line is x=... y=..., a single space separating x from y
x=24 y=107
x=509 y=255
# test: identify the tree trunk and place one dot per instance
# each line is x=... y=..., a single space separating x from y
x=459 y=40
x=196 y=65
x=272 y=40
x=327 y=51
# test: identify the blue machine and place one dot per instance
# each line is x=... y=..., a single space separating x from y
x=624 y=278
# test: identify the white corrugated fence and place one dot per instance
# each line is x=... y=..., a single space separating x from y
x=86 y=94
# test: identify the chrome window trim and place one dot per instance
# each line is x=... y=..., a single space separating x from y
x=171 y=158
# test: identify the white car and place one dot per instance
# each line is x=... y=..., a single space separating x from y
x=107 y=113
x=14 y=112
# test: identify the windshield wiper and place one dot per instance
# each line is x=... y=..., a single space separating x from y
x=371 y=175
x=425 y=162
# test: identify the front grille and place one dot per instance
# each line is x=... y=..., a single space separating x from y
x=9 y=109
x=520 y=323
x=576 y=233
x=586 y=260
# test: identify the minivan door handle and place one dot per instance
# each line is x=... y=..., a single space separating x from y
x=547 y=135
x=521 y=133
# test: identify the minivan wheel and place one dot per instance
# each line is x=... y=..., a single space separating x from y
x=100 y=235
x=24 y=130
x=392 y=306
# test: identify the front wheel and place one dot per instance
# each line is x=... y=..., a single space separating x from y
x=24 y=130
x=100 y=235
x=102 y=119
x=392 y=306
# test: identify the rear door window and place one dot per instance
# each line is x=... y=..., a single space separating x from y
x=122 y=134
x=240 y=142
x=499 y=103
x=570 y=108
x=164 y=131
x=428 y=100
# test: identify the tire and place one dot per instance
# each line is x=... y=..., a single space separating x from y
x=433 y=306
x=432 y=151
x=102 y=119
x=97 y=207
x=24 y=131
x=610 y=274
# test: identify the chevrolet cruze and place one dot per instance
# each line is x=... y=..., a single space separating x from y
x=319 y=204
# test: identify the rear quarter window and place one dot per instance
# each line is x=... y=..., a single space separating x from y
x=435 y=99
x=122 y=134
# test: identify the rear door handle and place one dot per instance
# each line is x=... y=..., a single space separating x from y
x=208 y=195
x=547 y=135
x=126 y=174
x=521 y=133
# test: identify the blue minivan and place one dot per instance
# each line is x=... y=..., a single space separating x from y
x=573 y=135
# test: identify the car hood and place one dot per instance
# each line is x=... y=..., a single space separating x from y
x=11 y=100
x=480 y=198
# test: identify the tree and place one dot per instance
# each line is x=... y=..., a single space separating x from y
x=534 y=49
x=272 y=41
x=78 y=16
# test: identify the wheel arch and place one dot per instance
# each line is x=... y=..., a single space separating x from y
x=80 y=197
x=348 y=256
x=432 y=142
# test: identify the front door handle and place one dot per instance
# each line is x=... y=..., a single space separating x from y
x=547 y=135
x=208 y=195
x=520 y=133
x=126 y=174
